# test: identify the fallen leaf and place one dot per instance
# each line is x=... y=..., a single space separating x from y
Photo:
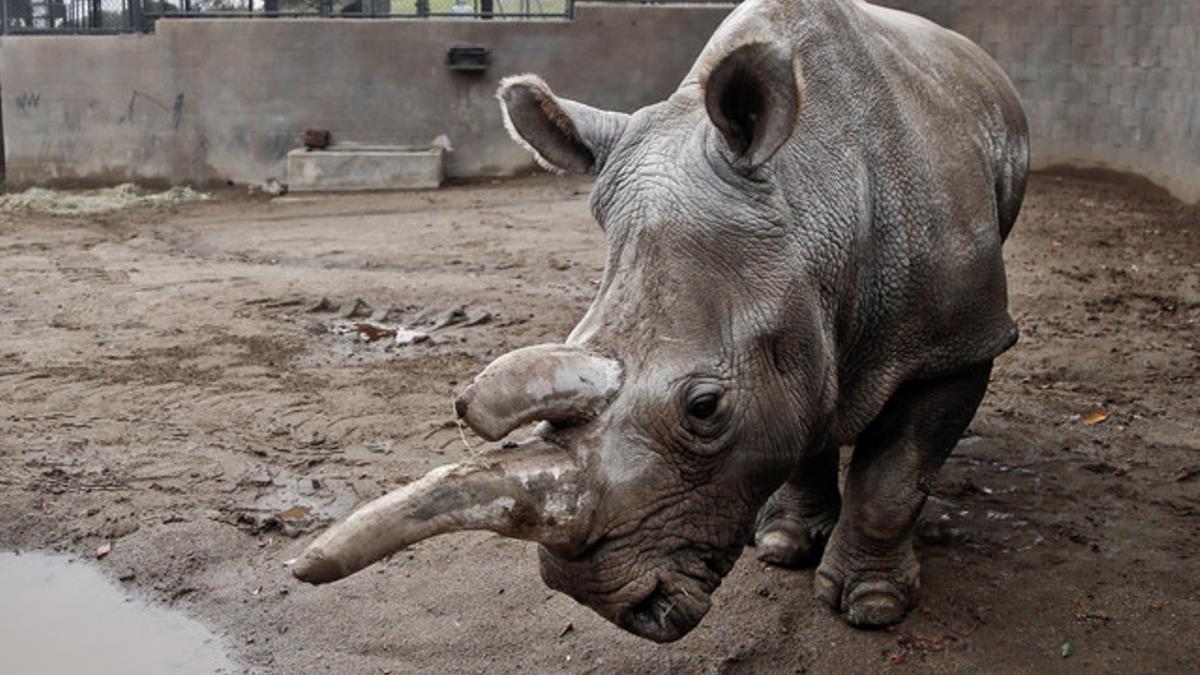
x=1095 y=418
x=104 y=549
x=297 y=512
x=372 y=333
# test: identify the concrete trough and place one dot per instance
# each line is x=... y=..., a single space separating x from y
x=351 y=168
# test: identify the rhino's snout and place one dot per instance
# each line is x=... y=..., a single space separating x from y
x=667 y=613
x=662 y=604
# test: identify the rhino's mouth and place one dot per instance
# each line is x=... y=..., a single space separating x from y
x=662 y=604
x=670 y=611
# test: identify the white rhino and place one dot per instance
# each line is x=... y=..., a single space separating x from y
x=804 y=252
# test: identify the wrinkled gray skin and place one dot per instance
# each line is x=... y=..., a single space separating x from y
x=804 y=252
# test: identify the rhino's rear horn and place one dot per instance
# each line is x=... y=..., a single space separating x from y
x=555 y=383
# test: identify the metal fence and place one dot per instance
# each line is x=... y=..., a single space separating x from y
x=65 y=16
x=112 y=16
x=494 y=9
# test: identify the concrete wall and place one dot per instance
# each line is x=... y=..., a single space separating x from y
x=213 y=100
x=1106 y=83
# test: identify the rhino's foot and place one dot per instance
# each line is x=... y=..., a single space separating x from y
x=868 y=590
x=790 y=541
x=790 y=535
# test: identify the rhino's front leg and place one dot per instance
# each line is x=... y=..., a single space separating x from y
x=869 y=572
x=796 y=521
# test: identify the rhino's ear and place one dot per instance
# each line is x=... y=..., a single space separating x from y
x=563 y=135
x=753 y=96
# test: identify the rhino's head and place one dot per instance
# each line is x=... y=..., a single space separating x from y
x=682 y=399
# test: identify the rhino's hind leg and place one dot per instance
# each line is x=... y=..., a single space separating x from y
x=869 y=572
x=796 y=521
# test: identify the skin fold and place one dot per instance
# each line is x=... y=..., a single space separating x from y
x=804 y=252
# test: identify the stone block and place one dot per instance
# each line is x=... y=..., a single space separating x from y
x=359 y=168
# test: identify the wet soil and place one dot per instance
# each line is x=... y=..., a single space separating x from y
x=192 y=388
x=63 y=616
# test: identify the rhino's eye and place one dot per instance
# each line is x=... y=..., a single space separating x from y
x=705 y=409
x=703 y=404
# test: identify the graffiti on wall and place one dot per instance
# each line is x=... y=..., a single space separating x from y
x=27 y=101
x=175 y=108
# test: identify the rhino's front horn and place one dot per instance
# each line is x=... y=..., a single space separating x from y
x=555 y=383
x=529 y=491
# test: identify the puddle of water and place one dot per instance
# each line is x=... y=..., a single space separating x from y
x=58 y=616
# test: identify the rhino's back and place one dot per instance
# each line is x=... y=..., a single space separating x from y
x=969 y=108
x=942 y=143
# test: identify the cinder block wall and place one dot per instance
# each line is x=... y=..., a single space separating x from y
x=1106 y=83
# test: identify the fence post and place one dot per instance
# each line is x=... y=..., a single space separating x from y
x=4 y=17
x=137 y=17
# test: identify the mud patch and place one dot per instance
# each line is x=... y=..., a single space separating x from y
x=170 y=384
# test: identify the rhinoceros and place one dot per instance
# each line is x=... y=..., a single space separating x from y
x=804 y=253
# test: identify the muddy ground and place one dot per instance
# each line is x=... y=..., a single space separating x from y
x=172 y=383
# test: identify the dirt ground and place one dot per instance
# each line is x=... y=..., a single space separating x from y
x=185 y=385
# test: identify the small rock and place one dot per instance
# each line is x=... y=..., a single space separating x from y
x=360 y=310
x=381 y=447
x=479 y=319
x=274 y=187
x=451 y=318
x=397 y=314
x=325 y=306
x=104 y=550
x=259 y=476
